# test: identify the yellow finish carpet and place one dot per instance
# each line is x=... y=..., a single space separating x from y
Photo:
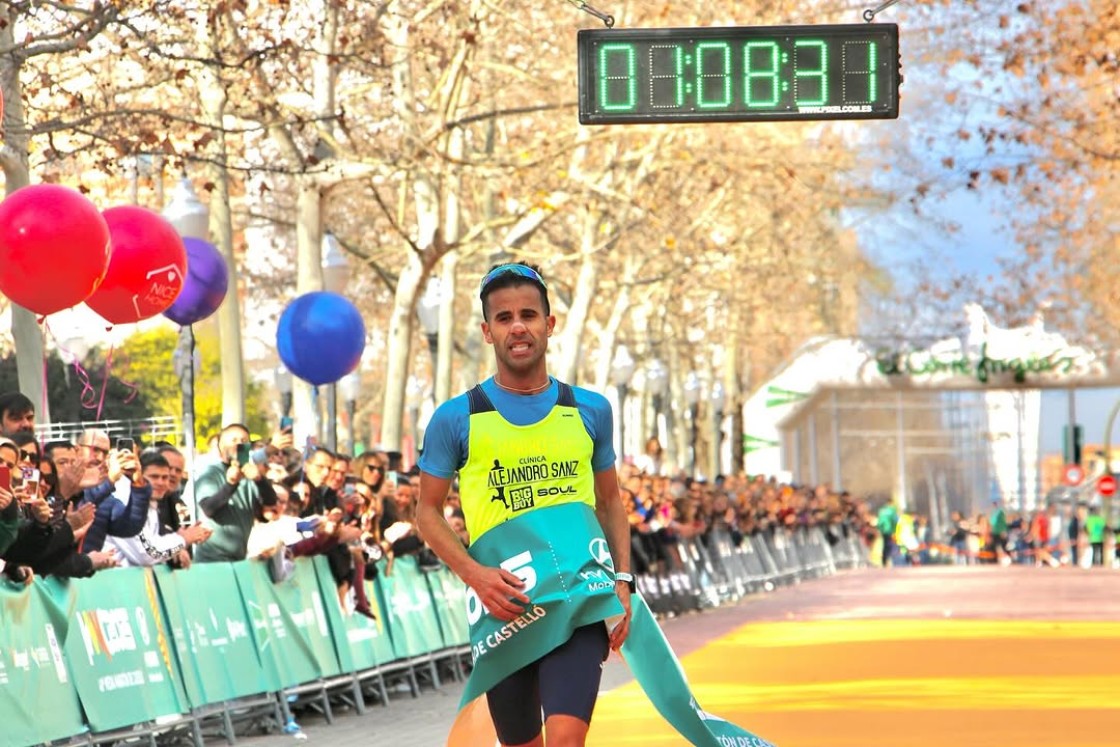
x=895 y=683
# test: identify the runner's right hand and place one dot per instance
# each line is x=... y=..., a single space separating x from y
x=500 y=592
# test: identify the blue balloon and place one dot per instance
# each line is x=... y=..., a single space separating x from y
x=320 y=337
x=205 y=286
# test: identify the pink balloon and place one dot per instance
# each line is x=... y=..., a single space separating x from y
x=54 y=248
x=147 y=266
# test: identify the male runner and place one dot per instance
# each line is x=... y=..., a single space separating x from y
x=511 y=432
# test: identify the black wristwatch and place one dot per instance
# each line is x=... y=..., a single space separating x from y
x=627 y=579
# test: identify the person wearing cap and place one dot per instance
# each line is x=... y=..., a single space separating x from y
x=522 y=442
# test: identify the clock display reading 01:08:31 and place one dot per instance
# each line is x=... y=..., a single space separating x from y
x=740 y=74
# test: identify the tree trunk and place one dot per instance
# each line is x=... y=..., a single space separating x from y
x=447 y=336
x=452 y=223
x=309 y=278
x=399 y=352
x=26 y=332
x=567 y=363
x=212 y=95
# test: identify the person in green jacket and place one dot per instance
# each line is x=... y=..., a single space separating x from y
x=887 y=524
x=1094 y=530
x=997 y=523
x=227 y=493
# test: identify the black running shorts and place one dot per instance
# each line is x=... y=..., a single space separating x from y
x=564 y=681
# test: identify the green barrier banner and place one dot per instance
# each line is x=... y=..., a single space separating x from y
x=568 y=576
x=33 y=674
x=383 y=644
x=450 y=597
x=211 y=632
x=361 y=643
x=119 y=651
x=289 y=623
x=659 y=674
x=411 y=618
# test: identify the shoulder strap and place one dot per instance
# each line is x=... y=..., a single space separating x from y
x=479 y=401
x=567 y=397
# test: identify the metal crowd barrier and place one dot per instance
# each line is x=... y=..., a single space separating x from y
x=152 y=655
x=714 y=569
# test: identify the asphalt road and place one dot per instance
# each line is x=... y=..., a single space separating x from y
x=901 y=657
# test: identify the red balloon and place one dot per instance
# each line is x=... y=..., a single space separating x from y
x=146 y=268
x=54 y=248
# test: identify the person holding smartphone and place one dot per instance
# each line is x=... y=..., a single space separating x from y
x=151 y=547
x=112 y=482
x=45 y=543
x=229 y=494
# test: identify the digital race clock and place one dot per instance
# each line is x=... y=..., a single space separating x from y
x=739 y=74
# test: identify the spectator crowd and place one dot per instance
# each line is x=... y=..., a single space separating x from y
x=76 y=508
x=73 y=508
x=1061 y=534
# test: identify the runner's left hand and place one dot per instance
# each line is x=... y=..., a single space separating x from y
x=622 y=627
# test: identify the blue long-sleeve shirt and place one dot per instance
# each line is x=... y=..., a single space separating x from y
x=114 y=517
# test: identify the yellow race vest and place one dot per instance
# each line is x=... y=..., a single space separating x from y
x=513 y=469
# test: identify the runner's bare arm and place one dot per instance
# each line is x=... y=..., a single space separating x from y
x=498 y=589
x=616 y=527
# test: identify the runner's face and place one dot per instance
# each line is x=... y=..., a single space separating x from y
x=518 y=329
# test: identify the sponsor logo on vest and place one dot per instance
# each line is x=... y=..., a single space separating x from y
x=513 y=486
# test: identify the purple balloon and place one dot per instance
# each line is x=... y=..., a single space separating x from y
x=205 y=286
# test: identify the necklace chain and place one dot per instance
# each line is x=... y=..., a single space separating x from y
x=530 y=390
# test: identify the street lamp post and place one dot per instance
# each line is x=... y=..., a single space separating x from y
x=336 y=276
x=657 y=378
x=351 y=385
x=427 y=308
x=719 y=401
x=692 y=397
x=284 y=385
x=414 y=393
x=621 y=370
x=191 y=219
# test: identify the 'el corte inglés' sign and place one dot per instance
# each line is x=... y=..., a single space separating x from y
x=982 y=366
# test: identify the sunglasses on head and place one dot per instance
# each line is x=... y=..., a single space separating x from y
x=511 y=269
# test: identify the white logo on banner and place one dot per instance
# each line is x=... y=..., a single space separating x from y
x=601 y=552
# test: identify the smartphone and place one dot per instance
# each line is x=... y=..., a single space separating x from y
x=30 y=477
x=286 y=423
x=5 y=476
x=243 y=454
x=126 y=444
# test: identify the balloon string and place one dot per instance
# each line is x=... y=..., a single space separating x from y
x=88 y=395
x=44 y=405
x=133 y=389
x=105 y=383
